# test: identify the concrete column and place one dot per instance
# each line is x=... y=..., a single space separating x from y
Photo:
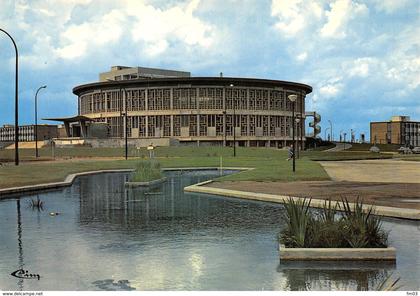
x=147 y=126
x=172 y=98
x=247 y=126
x=198 y=125
x=146 y=99
x=172 y=125
x=67 y=128
x=247 y=99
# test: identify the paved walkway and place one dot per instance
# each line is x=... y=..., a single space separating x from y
x=339 y=147
x=382 y=170
x=400 y=195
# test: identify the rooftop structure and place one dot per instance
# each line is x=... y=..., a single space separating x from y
x=118 y=73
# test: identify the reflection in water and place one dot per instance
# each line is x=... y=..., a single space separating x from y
x=333 y=275
x=108 y=237
x=20 y=245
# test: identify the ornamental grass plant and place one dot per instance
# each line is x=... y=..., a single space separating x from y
x=146 y=171
x=335 y=225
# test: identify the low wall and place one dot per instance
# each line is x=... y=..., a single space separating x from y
x=344 y=254
x=114 y=142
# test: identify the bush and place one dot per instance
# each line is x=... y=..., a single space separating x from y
x=327 y=228
x=146 y=171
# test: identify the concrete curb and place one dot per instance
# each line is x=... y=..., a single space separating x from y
x=315 y=203
x=45 y=186
x=145 y=184
x=68 y=181
x=342 y=254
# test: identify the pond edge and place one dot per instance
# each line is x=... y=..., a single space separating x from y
x=402 y=213
x=337 y=254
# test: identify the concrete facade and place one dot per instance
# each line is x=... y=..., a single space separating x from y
x=198 y=110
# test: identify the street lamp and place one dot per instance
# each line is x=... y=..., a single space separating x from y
x=325 y=133
x=331 y=131
x=344 y=144
x=293 y=99
x=297 y=120
x=16 y=100
x=234 y=123
x=36 y=119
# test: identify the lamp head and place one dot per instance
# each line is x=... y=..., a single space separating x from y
x=44 y=86
x=292 y=98
x=231 y=85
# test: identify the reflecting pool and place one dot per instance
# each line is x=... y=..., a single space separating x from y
x=107 y=237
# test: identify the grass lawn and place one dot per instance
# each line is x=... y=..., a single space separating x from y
x=382 y=147
x=269 y=164
x=409 y=157
x=345 y=155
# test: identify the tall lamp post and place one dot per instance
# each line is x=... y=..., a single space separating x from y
x=344 y=135
x=16 y=100
x=297 y=120
x=36 y=120
x=331 y=131
x=293 y=99
x=325 y=133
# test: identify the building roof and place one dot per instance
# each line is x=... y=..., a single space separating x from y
x=191 y=81
x=70 y=119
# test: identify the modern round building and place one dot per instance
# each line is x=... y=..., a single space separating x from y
x=198 y=110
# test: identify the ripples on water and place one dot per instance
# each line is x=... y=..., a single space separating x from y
x=108 y=237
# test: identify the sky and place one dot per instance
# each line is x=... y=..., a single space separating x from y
x=362 y=58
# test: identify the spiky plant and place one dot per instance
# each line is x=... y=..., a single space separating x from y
x=389 y=283
x=298 y=216
x=361 y=228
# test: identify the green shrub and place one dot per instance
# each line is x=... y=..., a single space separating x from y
x=328 y=228
x=146 y=171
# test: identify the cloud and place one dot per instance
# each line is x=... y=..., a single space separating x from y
x=338 y=17
x=390 y=6
x=302 y=57
x=293 y=15
x=71 y=30
x=174 y=24
x=77 y=39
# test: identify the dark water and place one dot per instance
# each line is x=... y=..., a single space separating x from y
x=107 y=237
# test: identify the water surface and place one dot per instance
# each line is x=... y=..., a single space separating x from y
x=107 y=237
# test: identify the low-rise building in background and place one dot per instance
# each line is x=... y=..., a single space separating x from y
x=399 y=130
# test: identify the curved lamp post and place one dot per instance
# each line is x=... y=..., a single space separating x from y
x=293 y=99
x=36 y=119
x=16 y=100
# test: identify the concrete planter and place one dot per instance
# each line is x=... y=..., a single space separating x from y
x=335 y=254
x=142 y=184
